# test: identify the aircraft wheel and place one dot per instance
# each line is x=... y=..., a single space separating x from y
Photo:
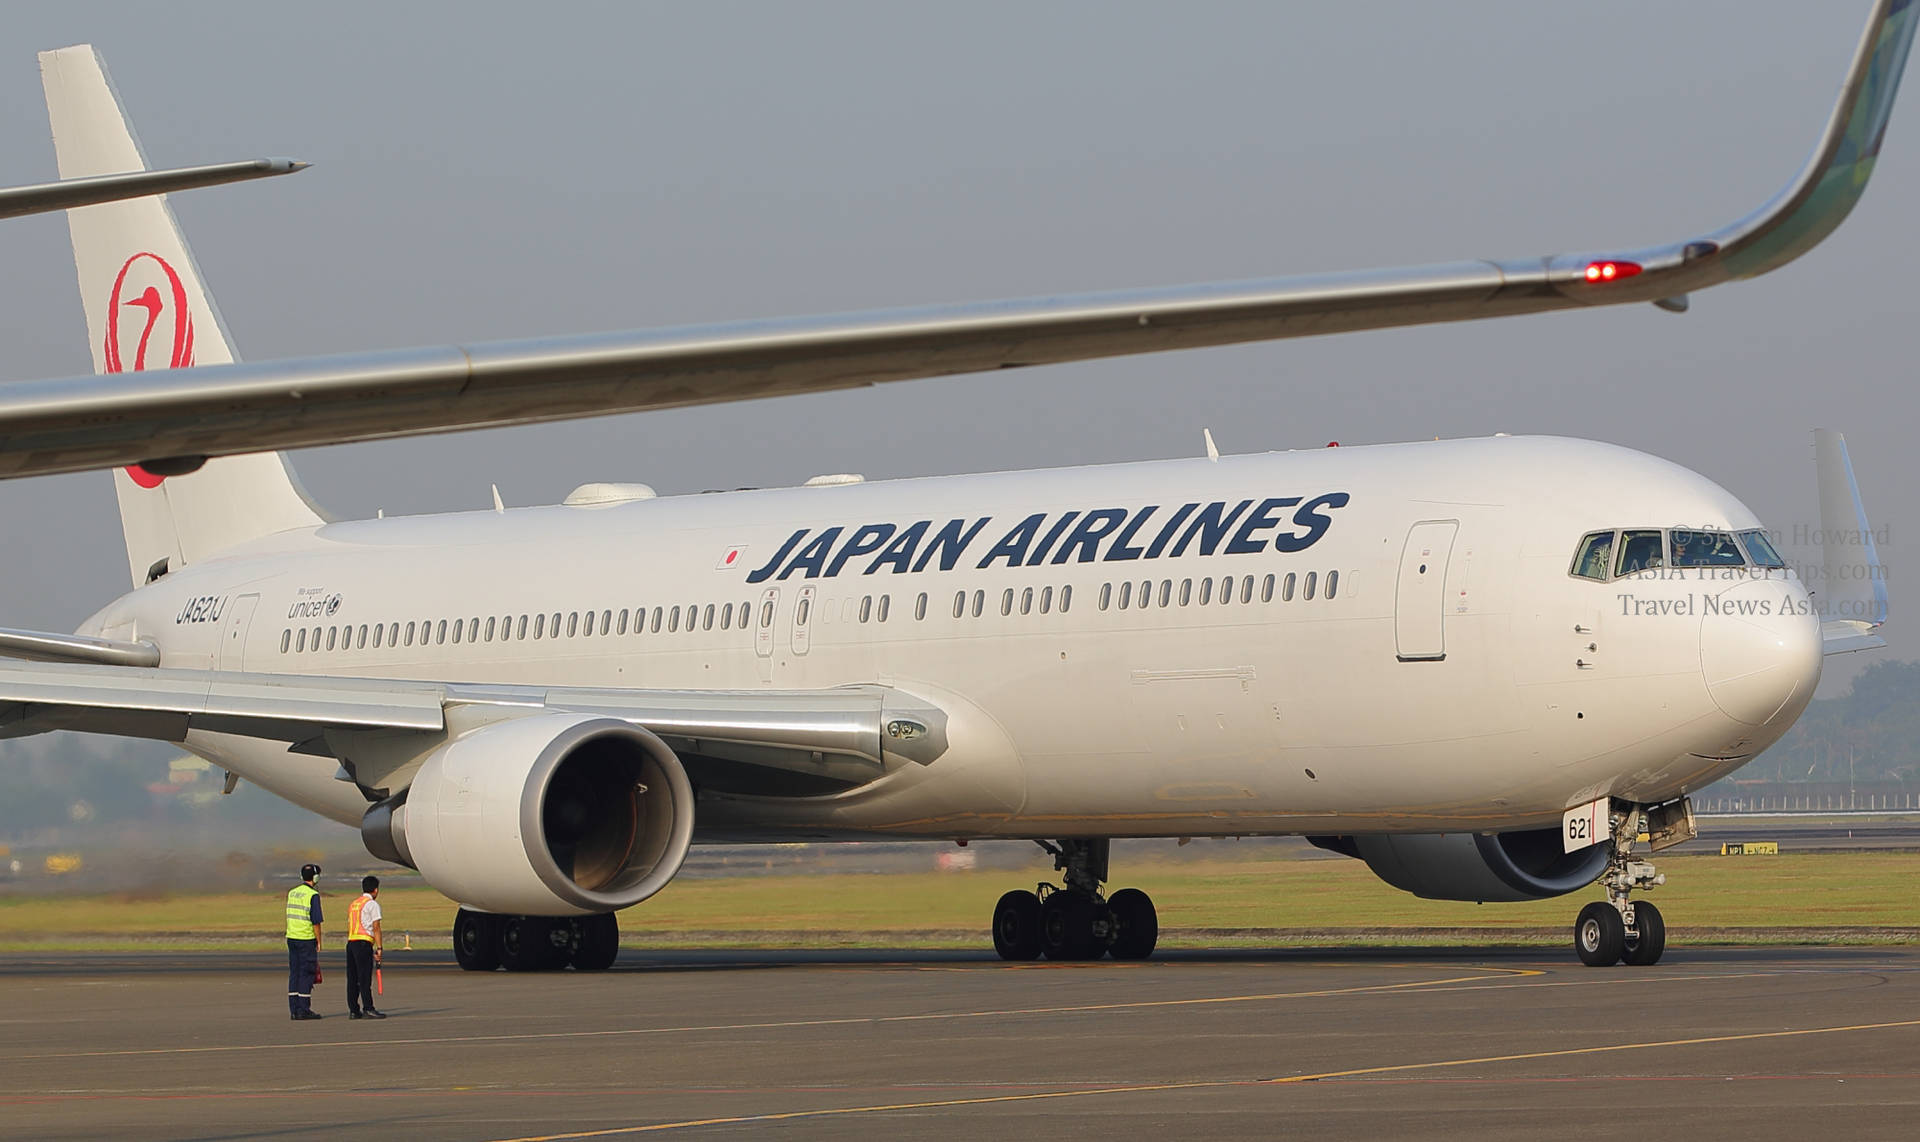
x=1016 y=926
x=1643 y=947
x=1135 y=923
x=476 y=942
x=526 y=943
x=599 y=942
x=1066 y=926
x=1599 y=935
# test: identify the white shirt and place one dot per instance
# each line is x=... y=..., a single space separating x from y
x=369 y=916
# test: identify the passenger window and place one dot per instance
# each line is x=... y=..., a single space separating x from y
x=573 y=623
x=726 y=617
x=1594 y=559
x=301 y=646
x=673 y=620
x=1206 y=591
x=766 y=616
x=1026 y=601
x=378 y=630
x=1186 y=592
x=920 y=607
x=1333 y=583
x=1166 y=592
x=623 y=620
x=457 y=624
x=1106 y=595
x=805 y=608
x=1246 y=590
x=332 y=633
x=520 y=632
x=361 y=642
x=540 y=625
x=1126 y=593
x=286 y=640
x=1639 y=551
x=659 y=614
x=606 y=621
x=1312 y=576
x=959 y=604
x=442 y=639
x=1046 y=600
x=884 y=599
x=553 y=625
x=866 y=608
x=1066 y=598
x=1760 y=550
x=1705 y=549
x=491 y=627
x=1006 y=601
x=1226 y=589
x=1286 y=589
x=706 y=618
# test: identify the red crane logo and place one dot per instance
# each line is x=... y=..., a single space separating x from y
x=156 y=302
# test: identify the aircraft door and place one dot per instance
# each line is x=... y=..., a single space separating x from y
x=803 y=621
x=233 y=634
x=1419 y=599
x=763 y=622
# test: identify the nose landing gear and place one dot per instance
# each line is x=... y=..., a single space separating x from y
x=1076 y=922
x=1621 y=930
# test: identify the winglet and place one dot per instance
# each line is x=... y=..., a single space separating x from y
x=1796 y=219
x=1853 y=596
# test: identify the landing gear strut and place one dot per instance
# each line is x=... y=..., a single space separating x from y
x=1622 y=930
x=483 y=941
x=1075 y=922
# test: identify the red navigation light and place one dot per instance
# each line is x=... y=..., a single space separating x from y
x=1333 y=444
x=1611 y=271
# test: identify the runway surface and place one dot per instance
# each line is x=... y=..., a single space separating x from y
x=1713 y=1043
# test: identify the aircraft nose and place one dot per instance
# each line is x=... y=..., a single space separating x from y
x=1759 y=653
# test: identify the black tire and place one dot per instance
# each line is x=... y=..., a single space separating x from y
x=476 y=942
x=1645 y=945
x=1136 y=926
x=1066 y=927
x=599 y=943
x=526 y=943
x=1599 y=935
x=1016 y=926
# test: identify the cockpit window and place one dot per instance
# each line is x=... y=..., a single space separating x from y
x=1639 y=551
x=1705 y=549
x=1760 y=549
x=1594 y=560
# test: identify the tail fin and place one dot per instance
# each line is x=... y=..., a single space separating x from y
x=146 y=309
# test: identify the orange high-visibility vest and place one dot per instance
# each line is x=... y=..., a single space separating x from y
x=355 y=930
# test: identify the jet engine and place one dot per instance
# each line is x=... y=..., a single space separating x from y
x=546 y=815
x=1527 y=865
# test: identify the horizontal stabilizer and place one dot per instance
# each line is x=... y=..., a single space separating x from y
x=43 y=198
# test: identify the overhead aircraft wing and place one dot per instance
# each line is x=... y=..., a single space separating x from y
x=753 y=742
x=170 y=421
x=66 y=194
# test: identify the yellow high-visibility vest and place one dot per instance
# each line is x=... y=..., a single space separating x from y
x=300 y=912
x=354 y=929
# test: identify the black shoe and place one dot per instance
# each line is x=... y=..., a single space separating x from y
x=309 y=1015
x=372 y=1014
x=355 y=1015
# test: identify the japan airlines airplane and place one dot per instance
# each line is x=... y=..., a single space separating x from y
x=1483 y=667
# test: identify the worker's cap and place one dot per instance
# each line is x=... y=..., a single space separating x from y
x=309 y=871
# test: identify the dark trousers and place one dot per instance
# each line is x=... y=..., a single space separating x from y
x=303 y=963
x=359 y=975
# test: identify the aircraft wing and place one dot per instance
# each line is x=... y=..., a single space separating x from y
x=171 y=421
x=760 y=742
x=42 y=198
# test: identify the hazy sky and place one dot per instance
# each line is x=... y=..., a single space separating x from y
x=489 y=171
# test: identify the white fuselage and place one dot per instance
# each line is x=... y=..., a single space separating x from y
x=1448 y=673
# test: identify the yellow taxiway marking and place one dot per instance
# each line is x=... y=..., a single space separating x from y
x=848 y=1021
x=1205 y=1084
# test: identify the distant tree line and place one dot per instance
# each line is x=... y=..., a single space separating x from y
x=1870 y=733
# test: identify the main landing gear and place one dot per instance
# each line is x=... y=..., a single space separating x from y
x=1075 y=922
x=483 y=941
x=1618 y=929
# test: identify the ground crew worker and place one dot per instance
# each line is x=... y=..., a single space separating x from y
x=364 y=946
x=303 y=943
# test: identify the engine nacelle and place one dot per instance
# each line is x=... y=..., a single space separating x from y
x=547 y=815
x=1528 y=865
